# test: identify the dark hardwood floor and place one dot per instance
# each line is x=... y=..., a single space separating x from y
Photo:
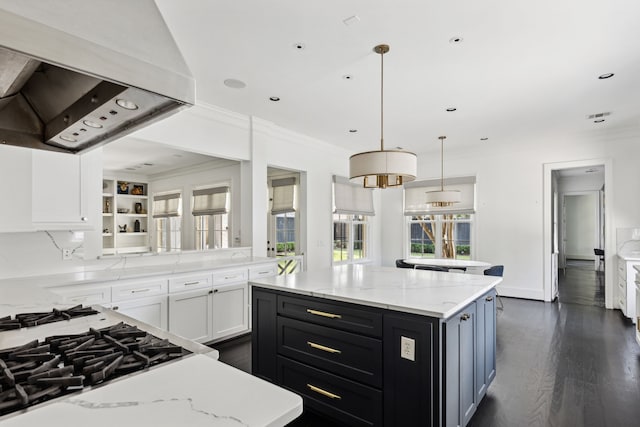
x=579 y=283
x=558 y=364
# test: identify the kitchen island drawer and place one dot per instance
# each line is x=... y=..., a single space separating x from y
x=343 y=353
x=352 y=403
x=230 y=276
x=361 y=320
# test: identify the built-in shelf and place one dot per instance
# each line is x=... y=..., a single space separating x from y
x=117 y=194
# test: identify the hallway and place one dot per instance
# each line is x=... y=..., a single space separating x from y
x=579 y=283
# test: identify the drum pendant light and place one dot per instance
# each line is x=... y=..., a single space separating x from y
x=442 y=198
x=383 y=168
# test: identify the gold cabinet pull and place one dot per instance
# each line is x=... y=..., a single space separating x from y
x=323 y=392
x=324 y=314
x=323 y=348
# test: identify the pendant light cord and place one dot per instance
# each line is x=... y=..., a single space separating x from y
x=442 y=163
x=382 y=101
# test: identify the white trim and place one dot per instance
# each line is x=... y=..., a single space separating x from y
x=609 y=244
x=527 y=293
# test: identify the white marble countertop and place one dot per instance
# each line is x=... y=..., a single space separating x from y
x=429 y=293
x=630 y=256
x=195 y=390
x=122 y=272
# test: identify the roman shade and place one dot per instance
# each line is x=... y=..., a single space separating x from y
x=351 y=199
x=415 y=199
x=166 y=205
x=211 y=201
x=284 y=192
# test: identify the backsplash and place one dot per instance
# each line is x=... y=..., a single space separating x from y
x=40 y=253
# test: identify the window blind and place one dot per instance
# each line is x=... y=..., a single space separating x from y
x=351 y=199
x=414 y=196
x=284 y=192
x=211 y=201
x=166 y=205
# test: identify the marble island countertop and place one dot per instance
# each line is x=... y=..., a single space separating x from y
x=195 y=390
x=430 y=293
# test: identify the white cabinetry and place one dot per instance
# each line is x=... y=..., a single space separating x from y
x=209 y=307
x=151 y=310
x=626 y=298
x=46 y=190
x=191 y=314
x=99 y=293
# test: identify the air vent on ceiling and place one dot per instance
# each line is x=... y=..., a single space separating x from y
x=598 y=115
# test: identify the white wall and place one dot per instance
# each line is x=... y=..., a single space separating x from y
x=509 y=218
x=581 y=215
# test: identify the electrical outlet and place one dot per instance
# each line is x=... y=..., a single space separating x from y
x=67 y=254
x=408 y=348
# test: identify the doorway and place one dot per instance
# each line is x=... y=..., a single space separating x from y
x=576 y=223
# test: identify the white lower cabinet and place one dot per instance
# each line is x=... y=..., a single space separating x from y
x=230 y=310
x=151 y=310
x=191 y=314
x=210 y=314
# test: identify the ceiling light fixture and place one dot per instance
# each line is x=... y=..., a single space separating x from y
x=598 y=121
x=274 y=99
x=442 y=198
x=606 y=76
x=353 y=130
x=383 y=168
x=484 y=138
x=451 y=109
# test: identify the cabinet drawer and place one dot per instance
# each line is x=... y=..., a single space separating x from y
x=267 y=270
x=189 y=282
x=352 y=403
x=360 y=320
x=230 y=276
x=343 y=353
x=86 y=294
x=138 y=289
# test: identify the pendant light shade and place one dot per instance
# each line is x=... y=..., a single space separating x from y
x=382 y=168
x=442 y=198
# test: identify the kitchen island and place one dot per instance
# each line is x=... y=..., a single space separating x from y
x=378 y=346
x=195 y=389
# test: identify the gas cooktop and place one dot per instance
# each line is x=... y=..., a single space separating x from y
x=25 y=320
x=43 y=369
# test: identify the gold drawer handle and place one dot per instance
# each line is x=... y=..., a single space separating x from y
x=323 y=392
x=323 y=348
x=324 y=314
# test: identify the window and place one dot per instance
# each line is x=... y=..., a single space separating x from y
x=283 y=221
x=211 y=217
x=440 y=232
x=350 y=238
x=352 y=207
x=167 y=211
x=440 y=236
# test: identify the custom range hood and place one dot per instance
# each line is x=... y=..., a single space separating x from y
x=76 y=74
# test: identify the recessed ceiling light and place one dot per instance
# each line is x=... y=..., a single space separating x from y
x=148 y=164
x=451 y=109
x=598 y=121
x=235 y=84
x=606 y=76
x=274 y=98
x=399 y=148
x=347 y=77
x=126 y=104
x=483 y=138
x=299 y=46
x=353 y=130
x=68 y=138
x=130 y=169
x=591 y=170
x=455 y=40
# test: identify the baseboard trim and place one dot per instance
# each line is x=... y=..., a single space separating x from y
x=526 y=293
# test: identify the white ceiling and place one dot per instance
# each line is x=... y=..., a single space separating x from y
x=524 y=68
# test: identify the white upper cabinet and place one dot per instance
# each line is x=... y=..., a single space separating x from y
x=46 y=190
x=15 y=181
